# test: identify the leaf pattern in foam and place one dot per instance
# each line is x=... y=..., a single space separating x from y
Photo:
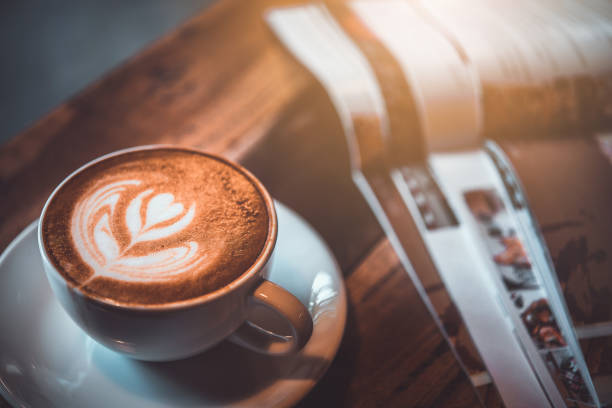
x=166 y=263
x=162 y=208
x=104 y=240
x=99 y=248
x=132 y=214
x=157 y=233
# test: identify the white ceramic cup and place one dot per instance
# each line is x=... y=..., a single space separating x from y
x=185 y=328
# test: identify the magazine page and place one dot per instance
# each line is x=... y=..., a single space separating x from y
x=513 y=259
x=398 y=25
x=545 y=68
x=444 y=87
x=313 y=37
x=494 y=81
x=568 y=184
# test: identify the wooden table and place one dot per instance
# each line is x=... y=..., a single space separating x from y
x=223 y=83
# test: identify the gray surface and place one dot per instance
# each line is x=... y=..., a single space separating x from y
x=51 y=49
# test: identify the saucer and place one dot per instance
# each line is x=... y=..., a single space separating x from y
x=47 y=361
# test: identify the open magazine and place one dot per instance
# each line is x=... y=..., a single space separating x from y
x=480 y=135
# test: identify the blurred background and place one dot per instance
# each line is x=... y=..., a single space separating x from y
x=51 y=49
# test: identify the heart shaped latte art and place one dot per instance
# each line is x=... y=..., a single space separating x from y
x=163 y=218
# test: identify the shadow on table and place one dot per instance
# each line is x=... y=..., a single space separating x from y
x=304 y=162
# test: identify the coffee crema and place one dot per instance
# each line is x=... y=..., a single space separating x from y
x=155 y=226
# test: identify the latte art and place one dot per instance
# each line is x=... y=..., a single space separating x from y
x=96 y=243
x=155 y=226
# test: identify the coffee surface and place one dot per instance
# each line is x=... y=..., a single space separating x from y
x=155 y=226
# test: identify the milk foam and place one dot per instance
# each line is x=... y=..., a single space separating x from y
x=155 y=226
x=149 y=216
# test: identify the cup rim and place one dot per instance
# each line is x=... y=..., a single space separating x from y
x=259 y=263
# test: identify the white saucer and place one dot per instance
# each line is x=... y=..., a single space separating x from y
x=47 y=361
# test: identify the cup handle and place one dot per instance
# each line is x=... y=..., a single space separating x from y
x=280 y=301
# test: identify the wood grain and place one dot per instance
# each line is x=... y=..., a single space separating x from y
x=220 y=90
x=223 y=83
x=392 y=354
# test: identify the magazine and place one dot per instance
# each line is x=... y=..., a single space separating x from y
x=483 y=131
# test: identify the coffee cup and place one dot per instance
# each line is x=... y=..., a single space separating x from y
x=161 y=252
